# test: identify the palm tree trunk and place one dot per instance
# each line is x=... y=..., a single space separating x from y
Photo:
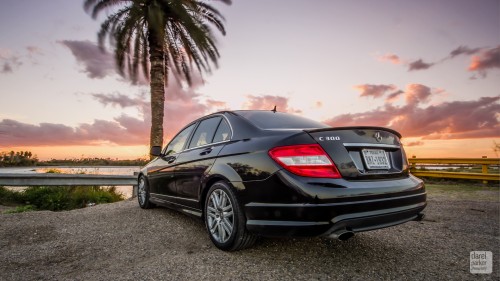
x=157 y=84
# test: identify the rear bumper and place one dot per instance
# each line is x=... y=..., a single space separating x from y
x=324 y=219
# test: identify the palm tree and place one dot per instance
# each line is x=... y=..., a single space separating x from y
x=176 y=34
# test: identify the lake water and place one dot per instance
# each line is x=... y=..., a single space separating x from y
x=95 y=170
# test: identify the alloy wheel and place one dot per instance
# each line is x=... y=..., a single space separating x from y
x=141 y=191
x=220 y=216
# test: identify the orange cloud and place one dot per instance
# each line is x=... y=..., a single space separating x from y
x=487 y=59
x=392 y=58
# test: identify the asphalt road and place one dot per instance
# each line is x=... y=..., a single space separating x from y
x=120 y=241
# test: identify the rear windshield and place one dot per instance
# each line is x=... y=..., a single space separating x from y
x=278 y=120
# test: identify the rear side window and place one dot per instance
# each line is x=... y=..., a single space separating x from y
x=279 y=120
x=205 y=132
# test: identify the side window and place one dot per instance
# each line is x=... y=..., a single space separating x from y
x=205 y=132
x=176 y=145
x=223 y=133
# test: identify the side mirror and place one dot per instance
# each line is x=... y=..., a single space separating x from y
x=155 y=151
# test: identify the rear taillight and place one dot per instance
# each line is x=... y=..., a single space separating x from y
x=307 y=160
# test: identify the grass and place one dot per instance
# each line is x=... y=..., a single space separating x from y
x=57 y=198
x=21 y=209
x=462 y=191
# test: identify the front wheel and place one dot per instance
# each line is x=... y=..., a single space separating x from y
x=225 y=220
x=143 y=194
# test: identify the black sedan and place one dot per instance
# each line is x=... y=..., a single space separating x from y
x=251 y=173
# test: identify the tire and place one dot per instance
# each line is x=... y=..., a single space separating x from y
x=225 y=220
x=143 y=194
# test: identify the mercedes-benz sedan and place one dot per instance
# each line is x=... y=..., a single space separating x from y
x=251 y=173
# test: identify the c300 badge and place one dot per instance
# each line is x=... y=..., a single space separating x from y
x=329 y=138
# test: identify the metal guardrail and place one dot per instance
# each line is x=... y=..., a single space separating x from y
x=484 y=162
x=53 y=179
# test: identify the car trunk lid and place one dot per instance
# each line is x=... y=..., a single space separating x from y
x=363 y=152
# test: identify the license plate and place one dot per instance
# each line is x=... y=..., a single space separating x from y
x=376 y=159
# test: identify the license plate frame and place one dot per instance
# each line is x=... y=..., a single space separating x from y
x=376 y=159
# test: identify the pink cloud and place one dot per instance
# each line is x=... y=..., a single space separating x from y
x=391 y=98
x=45 y=134
x=182 y=105
x=450 y=120
x=217 y=105
x=374 y=91
x=268 y=102
x=392 y=58
x=417 y=93
x=485 y=60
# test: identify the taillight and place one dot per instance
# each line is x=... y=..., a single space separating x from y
x=307 y=160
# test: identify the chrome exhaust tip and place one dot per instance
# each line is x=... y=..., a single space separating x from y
x=420 y=217
x=342 y=235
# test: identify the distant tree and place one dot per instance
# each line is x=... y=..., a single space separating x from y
x=18 y=158
x=159 y=35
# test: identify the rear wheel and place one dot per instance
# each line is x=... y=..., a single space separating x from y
x=225 y=220
x=143 y=194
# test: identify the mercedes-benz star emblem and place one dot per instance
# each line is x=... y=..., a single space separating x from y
x=377 y=137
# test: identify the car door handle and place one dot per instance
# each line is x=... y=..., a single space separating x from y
x=206 y=151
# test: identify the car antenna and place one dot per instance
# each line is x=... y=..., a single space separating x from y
x=274 y=109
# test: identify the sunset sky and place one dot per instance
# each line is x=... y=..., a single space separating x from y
x=429 y=69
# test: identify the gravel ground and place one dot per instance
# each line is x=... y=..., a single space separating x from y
x=123 y=242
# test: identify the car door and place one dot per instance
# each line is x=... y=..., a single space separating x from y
x=209 y=138
x=162 y=177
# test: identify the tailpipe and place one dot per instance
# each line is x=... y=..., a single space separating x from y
x=420 y=217
x=342 y=234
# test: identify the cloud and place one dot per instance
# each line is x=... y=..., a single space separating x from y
x=415 y=143
x=391 y=98
x=449 y=120
x=6 y=68
x=34 y=50
x=182 y=105
x=9 y=61
x=268 y=102
x=96 y=63
x=45 y=134
x=217 y=105
x=99 y=64
x=417 y=93
x=392 y=58
x=374 y=91
x=118 y=100
x=485 y=60
x=419 y=65
x=482 y=59
x=463 y=50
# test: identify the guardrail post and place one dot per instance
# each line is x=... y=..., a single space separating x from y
x=134 y=187
x=484 y=170
x=413 y=165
